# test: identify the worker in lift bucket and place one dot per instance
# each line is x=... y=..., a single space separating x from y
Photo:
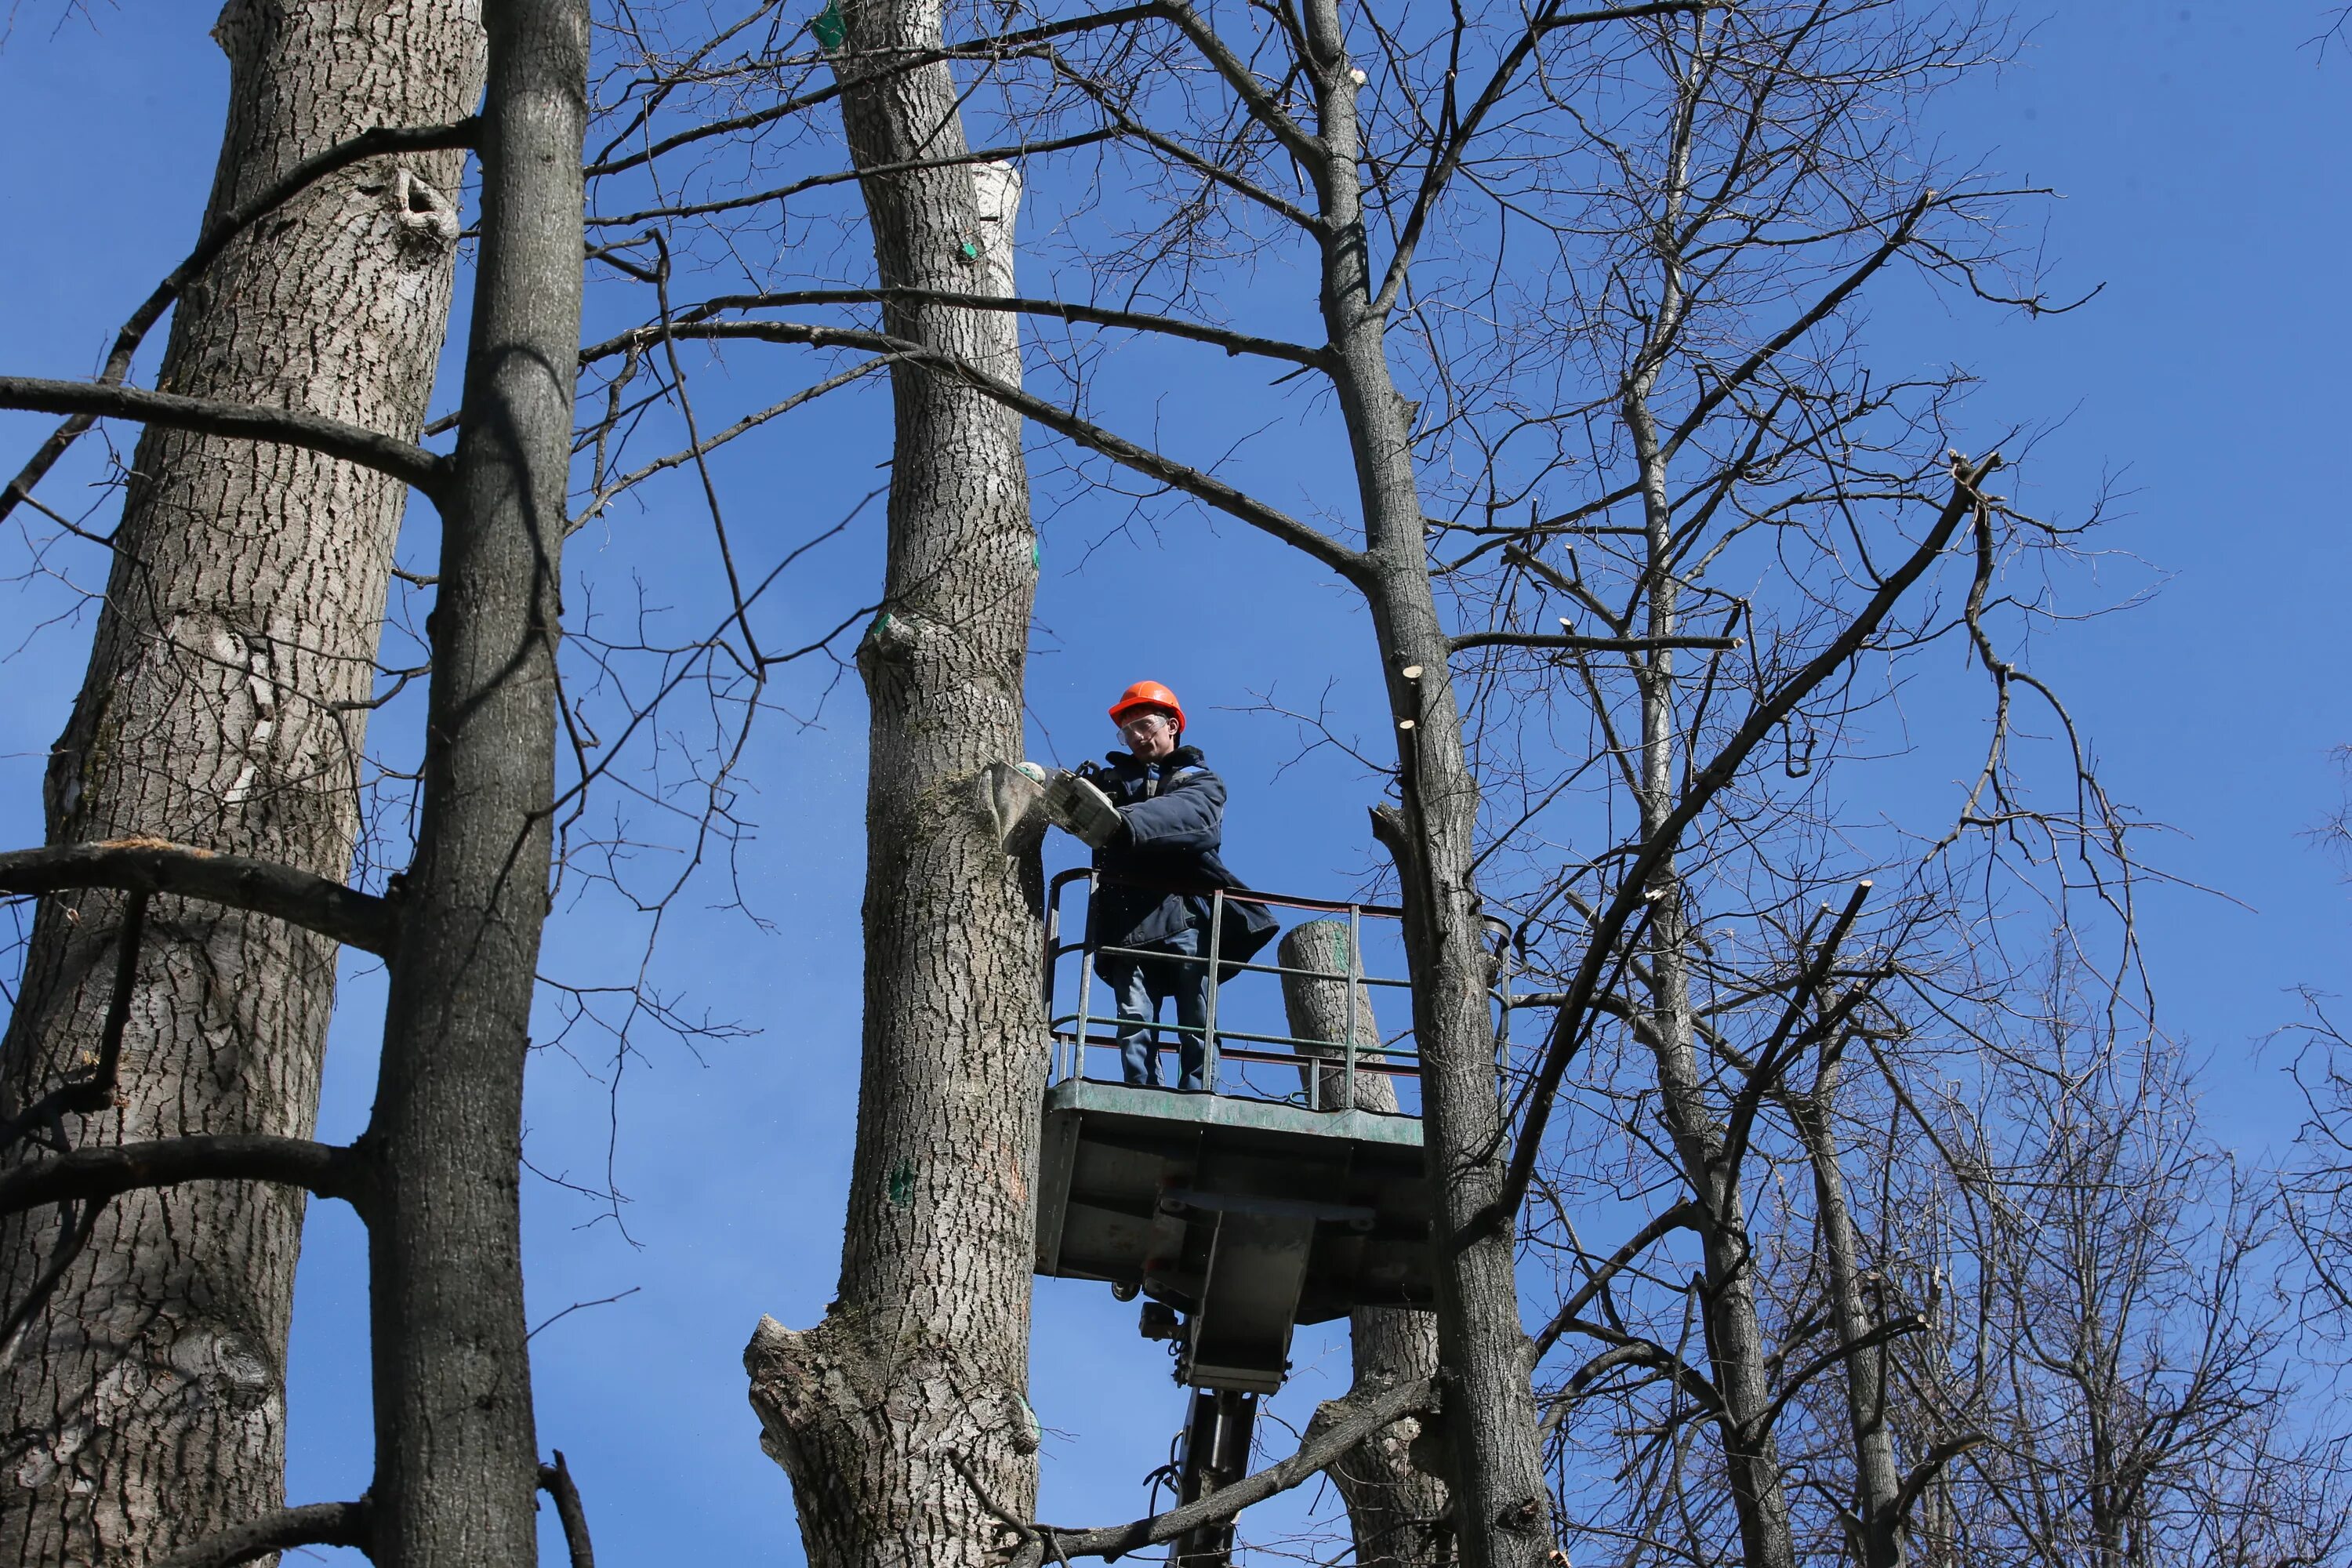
x=1154 y=814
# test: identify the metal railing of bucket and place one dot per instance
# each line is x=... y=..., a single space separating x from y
x=1358 y=1049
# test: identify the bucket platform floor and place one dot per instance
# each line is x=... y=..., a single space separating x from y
x=1247 y=1216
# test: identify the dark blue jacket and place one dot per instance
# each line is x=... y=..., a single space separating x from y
x=1174 y=812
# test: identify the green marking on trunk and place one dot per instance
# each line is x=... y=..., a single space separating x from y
x=1032 y=1436
x=902 y=1184
x=829 y=29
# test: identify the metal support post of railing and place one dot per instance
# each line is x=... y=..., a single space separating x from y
x=1209 y=1013
x=1355 y=978
x=1086 y=982
x=1053 y=942
x=1314 y=1075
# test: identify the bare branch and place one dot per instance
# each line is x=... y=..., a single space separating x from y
x=844 y=176
x=1629 y=13
x=260 y=886
x=912 y=59
x=402 y=460
x=1023 y=1530
x=312 y=1524
x=1295 y=138
x=1966 y=499
x=215 y=239
x=1892 y=1328
x=1419 y=1396
x=1350 y=565
x=580 y=1306
x=1813 y=316
x=1232 y=343
x=1574 y=644
x=1679 y=1217
x=325 y=1169
x=1931 y=1464
x=1772 y=1061
x=1445 y=154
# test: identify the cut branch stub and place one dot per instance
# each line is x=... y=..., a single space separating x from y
x=556 y=1481
x=824 y=1396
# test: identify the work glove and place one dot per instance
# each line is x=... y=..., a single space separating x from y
x=1076 y=806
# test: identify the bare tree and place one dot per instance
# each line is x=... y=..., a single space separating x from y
x=435 y=1175
x=2117 y=1309
x=1745 y=200
x=1664 y=394
x=1278 y=134
x=224 y=708
x=2318 y=1197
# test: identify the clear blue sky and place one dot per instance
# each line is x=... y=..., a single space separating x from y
x=2199 y=154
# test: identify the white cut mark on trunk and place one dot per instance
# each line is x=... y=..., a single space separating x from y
x=996 y=190
x=263 y=690
x=996 y=194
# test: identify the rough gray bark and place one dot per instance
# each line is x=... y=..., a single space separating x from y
x=903 y=1419
x=1502 y=1504
x=1877 y=1524
x=1738 y=1356
x=1397 y=1510
x=144 y=1403
x=456 y=1469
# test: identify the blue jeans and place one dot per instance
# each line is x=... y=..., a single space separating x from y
x=1137 y=985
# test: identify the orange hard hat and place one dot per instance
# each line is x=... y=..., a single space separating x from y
x=1146 y=694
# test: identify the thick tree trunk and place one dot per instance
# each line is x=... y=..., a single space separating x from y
x=145 y=1402
x=456 y=1461
x=1502 y=1505
x=903 y=1419
x=1397 y=1510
